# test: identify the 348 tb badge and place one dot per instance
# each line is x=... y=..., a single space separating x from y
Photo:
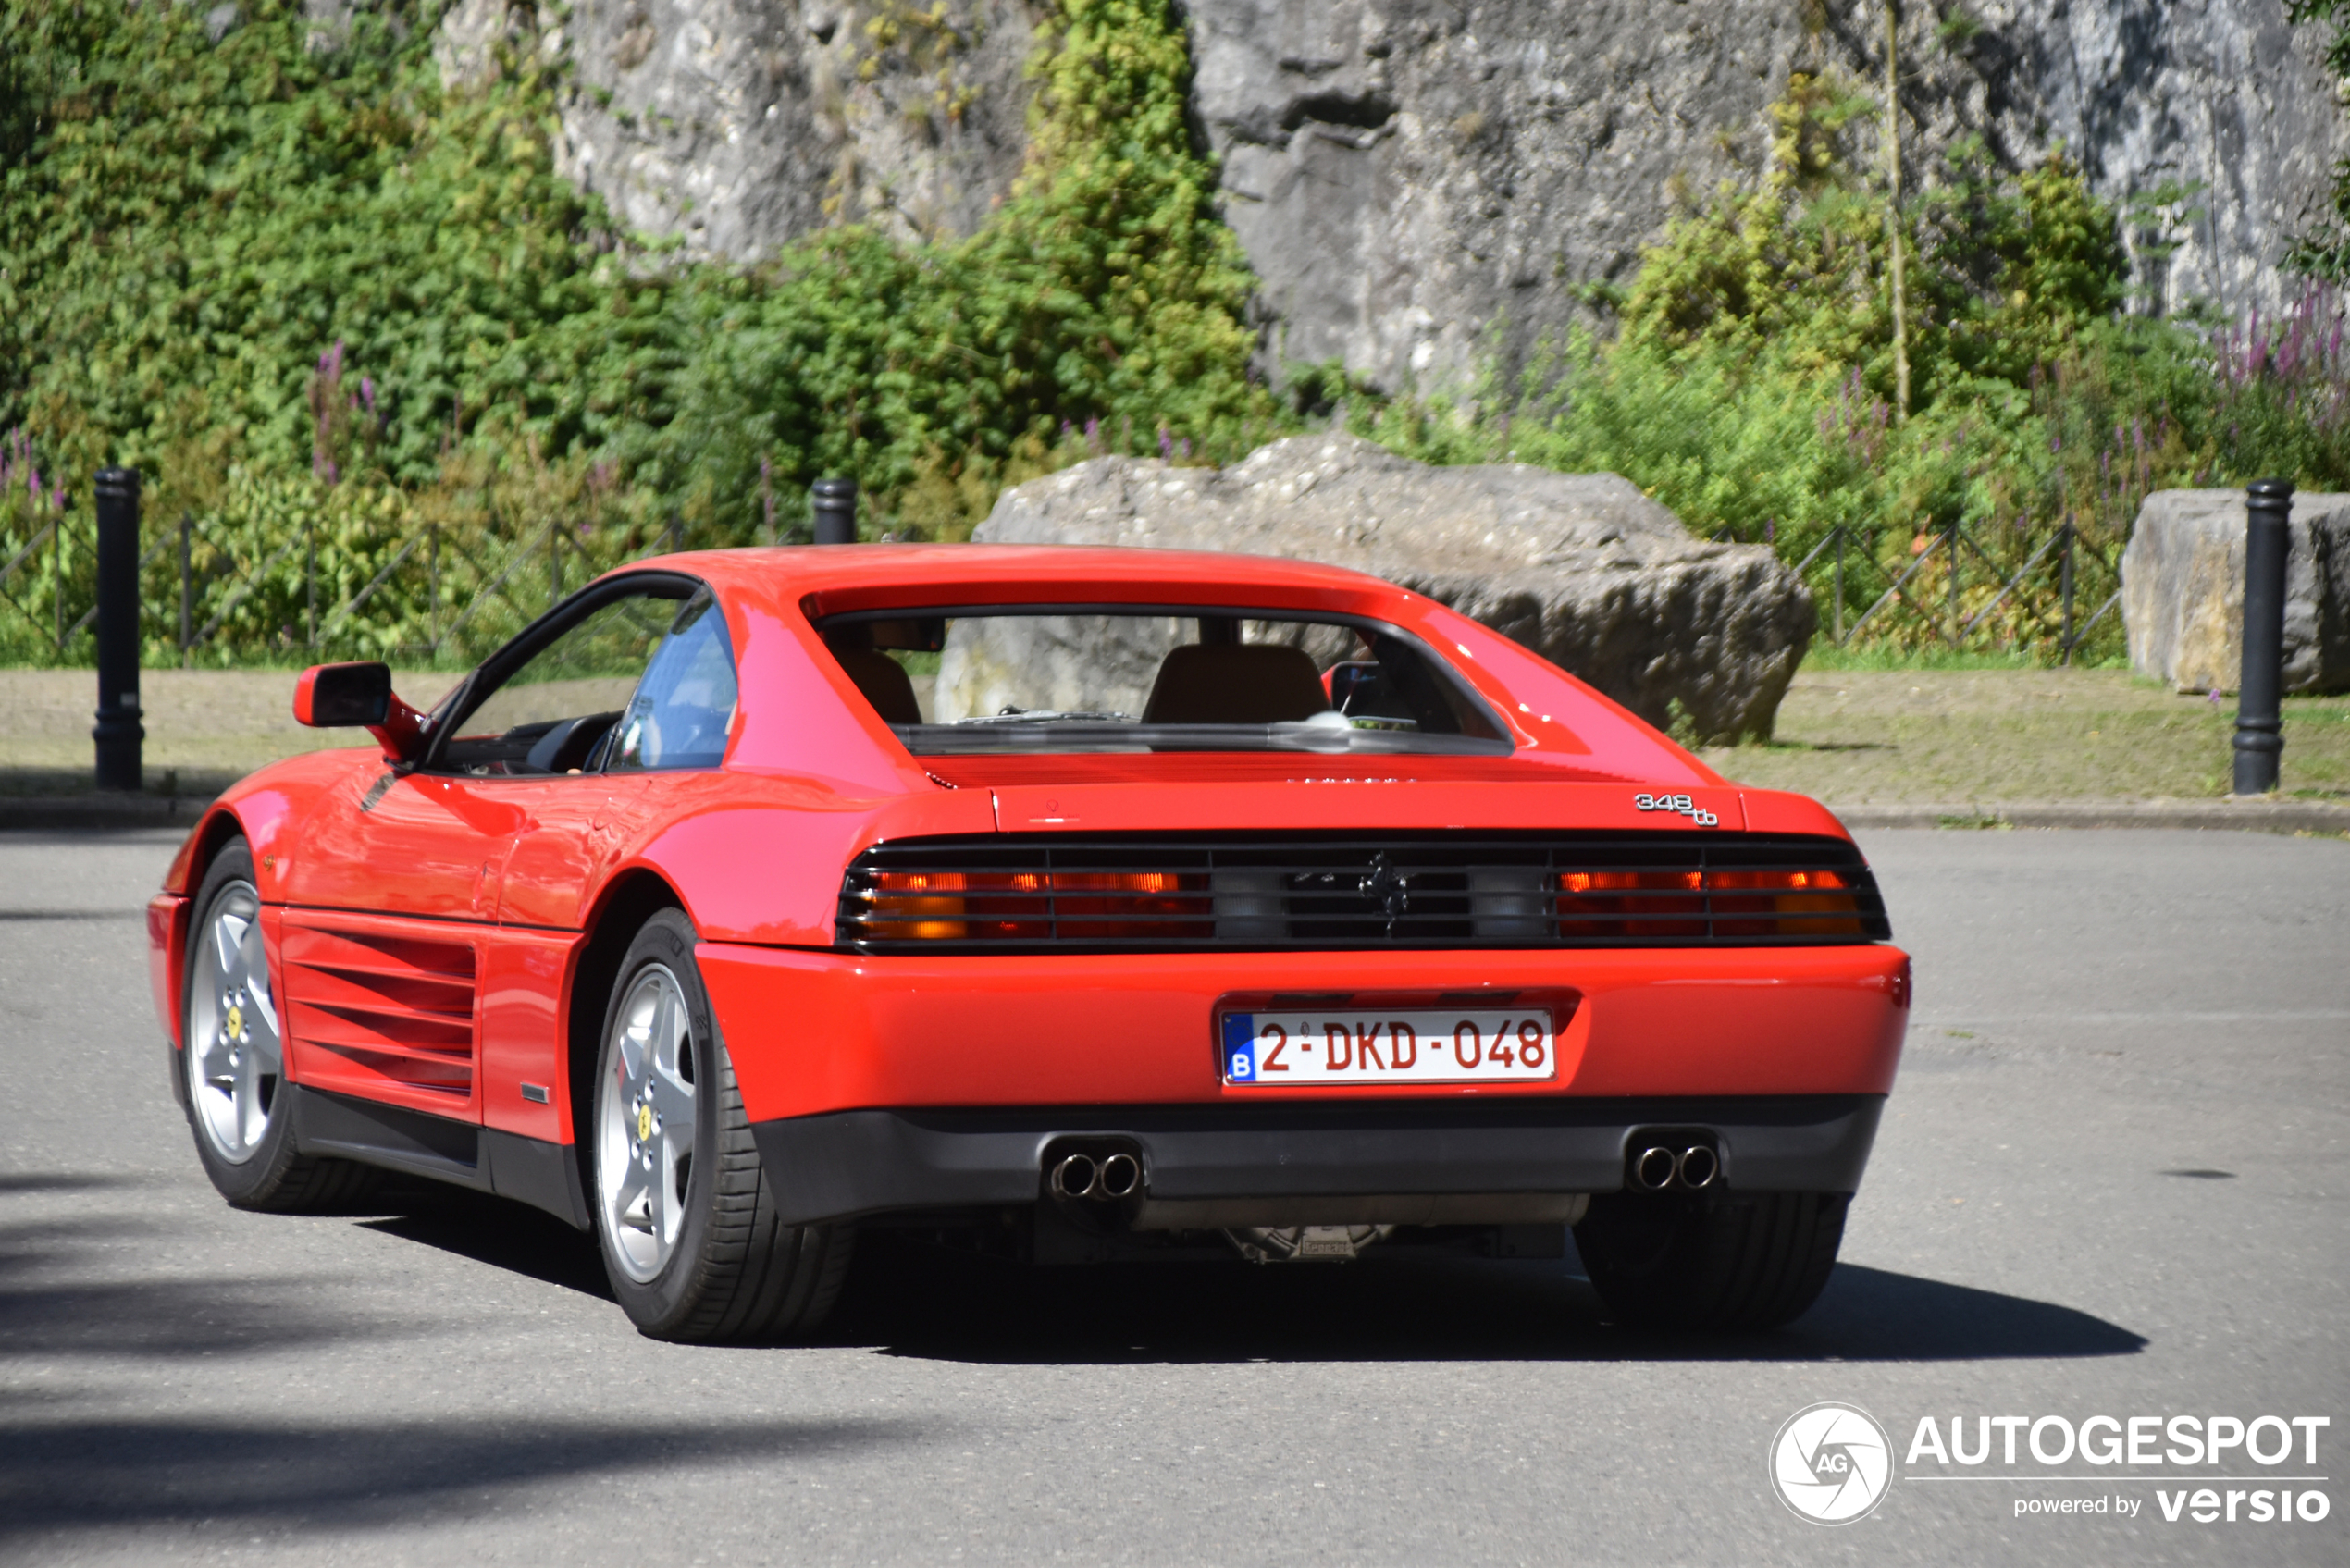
x=1681 y=803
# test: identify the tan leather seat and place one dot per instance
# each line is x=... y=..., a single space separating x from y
x=884 y=683
x=1235 y=683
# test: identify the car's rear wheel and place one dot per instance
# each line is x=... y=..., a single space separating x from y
x=232 y=1058
x=684 y=1210
x=1710 y=1260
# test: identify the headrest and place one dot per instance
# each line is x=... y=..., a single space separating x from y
x=1235 y=683
x=884 y=683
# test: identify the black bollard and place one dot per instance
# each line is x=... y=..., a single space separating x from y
x=834 y=503
x=2259 y=726
x=119 y=734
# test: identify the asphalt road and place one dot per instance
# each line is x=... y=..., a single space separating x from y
x=2111 y=1181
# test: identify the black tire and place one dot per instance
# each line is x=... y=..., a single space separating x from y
x=1727 y=1260
x=732 y=1272
x=264 y=1171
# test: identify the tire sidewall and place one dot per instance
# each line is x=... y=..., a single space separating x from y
x=254 y=1179
x=663 y=1302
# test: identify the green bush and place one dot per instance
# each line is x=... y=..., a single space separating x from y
x=189 y=226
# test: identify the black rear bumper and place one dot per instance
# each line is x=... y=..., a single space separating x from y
x=847 y=1163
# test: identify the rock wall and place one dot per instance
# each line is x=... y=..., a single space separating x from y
x=739 y=125
x=1417 y=180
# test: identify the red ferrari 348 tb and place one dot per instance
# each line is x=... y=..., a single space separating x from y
x=1089 y=904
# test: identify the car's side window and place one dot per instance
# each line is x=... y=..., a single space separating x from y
x=686 y=703
x=554 y=713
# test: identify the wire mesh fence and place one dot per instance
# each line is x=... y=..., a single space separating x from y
x=280 y=576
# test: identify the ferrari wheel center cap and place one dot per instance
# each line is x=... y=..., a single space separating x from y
x=236 y=1021
x=644 y=1121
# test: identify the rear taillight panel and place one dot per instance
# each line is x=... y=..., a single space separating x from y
x=1178 y=891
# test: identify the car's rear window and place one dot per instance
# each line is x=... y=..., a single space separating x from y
x=1061 y=678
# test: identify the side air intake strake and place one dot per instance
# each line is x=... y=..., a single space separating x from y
x=1163 y=892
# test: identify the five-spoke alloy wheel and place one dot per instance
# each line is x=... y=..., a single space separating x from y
x=684 y=1209
x=646 y=1124
x=232 y=1055
x=236 y=1058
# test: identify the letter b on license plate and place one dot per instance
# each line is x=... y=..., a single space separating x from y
x=1275 y=1049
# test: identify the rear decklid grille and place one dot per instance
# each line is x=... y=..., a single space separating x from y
x=1165 y=892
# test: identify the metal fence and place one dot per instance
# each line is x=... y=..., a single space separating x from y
x=1953 y=589
x=251 y=583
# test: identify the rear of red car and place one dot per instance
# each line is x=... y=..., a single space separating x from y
x=1483 y=958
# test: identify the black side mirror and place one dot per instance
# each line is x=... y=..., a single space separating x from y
x=330 y=697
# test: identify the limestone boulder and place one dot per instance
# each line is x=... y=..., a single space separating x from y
x=2182 y=591
x=1582 y=568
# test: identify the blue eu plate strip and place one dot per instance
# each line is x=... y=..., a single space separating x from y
x=1240 y=1047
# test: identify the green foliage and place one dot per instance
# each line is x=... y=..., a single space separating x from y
x=191 y=226
x=1743 y=447
x=1791 y=273
x=1749 y=388
x=188 y=230
x=288 y=567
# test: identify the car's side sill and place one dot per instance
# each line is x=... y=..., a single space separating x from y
x=529 y=1170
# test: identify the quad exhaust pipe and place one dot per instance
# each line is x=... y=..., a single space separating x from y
x=1659 y=1168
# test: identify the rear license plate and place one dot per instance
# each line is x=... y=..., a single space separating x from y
x=1270 y=1050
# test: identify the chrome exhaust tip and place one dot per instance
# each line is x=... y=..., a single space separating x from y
x=1654 y=1170
x=1077 y=1176
x=1699 y=1166
x=1119 y=1176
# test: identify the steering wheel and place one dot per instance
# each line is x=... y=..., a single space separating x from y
x=568 y=744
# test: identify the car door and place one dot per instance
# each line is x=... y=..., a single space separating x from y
x=678 y=720
x=390 y=942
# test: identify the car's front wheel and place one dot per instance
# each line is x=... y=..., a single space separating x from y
x=1710 y=1260
x=232 y=1059
x=684 y=1211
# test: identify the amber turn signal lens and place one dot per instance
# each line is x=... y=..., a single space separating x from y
x=1808 y=903
x=1774 y=880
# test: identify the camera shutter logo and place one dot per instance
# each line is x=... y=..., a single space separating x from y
x=1831 y=1464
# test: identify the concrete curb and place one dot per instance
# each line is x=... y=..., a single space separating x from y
x=2239 y=815
x=37 y=813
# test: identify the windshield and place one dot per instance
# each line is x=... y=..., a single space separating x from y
x=1095 y=678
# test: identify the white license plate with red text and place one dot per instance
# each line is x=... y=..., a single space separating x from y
x=1272 y=1050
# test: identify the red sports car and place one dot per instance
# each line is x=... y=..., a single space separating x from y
x=1088 y=904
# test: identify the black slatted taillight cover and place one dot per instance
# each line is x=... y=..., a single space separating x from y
x=1177 y=891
